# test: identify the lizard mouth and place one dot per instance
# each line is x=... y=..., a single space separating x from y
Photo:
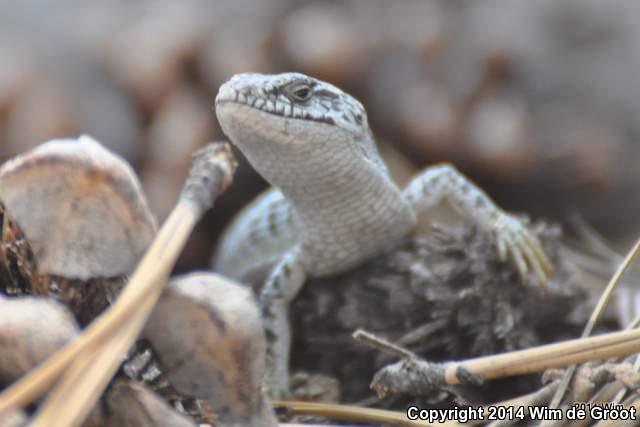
x=273 y=106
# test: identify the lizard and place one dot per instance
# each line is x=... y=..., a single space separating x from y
x=332 y=204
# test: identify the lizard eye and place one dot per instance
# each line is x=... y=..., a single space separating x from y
x=301 y=92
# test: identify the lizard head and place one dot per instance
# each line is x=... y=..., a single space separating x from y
x=290 y=97
x=292 y=125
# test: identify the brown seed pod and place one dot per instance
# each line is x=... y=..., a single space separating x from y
x=19 y=276
x=133 y=404
x=215 y=325
x=74 y=223
x=31 y=329
x=80 y=206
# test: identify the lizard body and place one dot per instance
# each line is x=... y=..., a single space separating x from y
x=333 y=204
x=261 y=234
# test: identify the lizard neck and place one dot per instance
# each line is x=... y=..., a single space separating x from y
x=348 y=207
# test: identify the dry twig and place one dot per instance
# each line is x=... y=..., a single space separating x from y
x=419 y=377
x=602 y=302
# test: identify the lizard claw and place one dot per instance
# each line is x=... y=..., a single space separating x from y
x=513 y=238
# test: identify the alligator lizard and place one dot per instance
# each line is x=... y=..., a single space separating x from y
x=333 y=204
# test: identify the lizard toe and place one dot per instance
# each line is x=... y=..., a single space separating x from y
x=533 y=259
x=502 y=247
x=517 y=255
x=533 y=242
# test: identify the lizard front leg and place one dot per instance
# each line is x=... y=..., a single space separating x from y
x=512 y=236
x=283 y=284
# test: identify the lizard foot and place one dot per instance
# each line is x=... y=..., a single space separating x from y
x=515 y=239
x=276 y=390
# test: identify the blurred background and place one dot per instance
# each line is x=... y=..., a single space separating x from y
x=537 y=101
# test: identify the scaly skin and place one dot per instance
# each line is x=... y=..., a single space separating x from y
x=333 y=204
